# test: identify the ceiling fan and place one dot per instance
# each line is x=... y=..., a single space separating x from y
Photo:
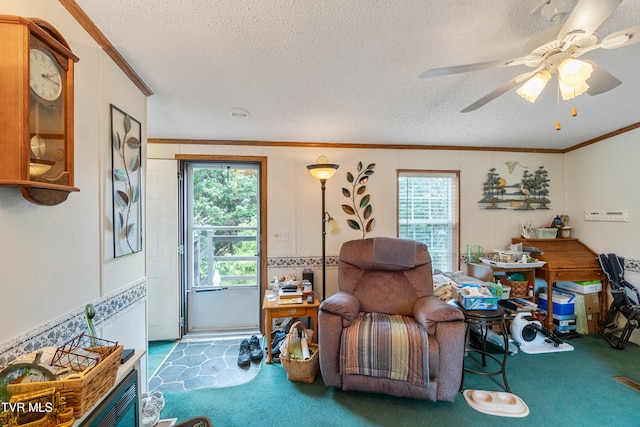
x=552 y=52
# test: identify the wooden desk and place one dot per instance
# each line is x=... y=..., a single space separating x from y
x=271 y=309
x=567 y=260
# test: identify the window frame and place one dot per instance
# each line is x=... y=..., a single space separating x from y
x=434 y=173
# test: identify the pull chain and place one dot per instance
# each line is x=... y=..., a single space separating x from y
x=558 y=125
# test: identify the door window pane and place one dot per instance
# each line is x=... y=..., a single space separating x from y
x=224 y=227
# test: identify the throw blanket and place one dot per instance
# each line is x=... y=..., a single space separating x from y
x=388 y=250
x=386 y=346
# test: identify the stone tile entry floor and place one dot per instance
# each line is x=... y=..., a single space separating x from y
x=203 y=363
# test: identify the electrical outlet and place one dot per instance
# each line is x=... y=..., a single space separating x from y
x=280 y=236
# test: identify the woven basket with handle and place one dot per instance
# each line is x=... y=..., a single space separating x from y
x=297 y=369
x=82 y=389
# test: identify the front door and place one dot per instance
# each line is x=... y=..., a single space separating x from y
x=223 y=241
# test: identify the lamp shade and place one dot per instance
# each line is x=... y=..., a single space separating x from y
x=322 y=170
x=570 y=92
x=574 y=73
x=533 y=87
x=333 y=226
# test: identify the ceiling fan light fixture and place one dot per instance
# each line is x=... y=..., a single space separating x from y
x=570 y=92
x=574 y=73
x=533 y=87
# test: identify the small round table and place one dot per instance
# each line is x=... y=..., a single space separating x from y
x=485 y=319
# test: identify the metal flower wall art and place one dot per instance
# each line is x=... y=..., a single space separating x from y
x=360 y=206
x=127 y=177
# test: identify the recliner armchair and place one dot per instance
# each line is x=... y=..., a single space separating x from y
x=392 y=278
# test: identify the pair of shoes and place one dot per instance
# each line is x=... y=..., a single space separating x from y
x=255 y=348
x=152 y=405
x=244 y=355
x=277 y=337
x=149 y=417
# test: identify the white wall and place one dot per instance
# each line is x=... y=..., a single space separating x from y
x=605 y=175
x=294 y=201
x=56 y=259
x=600 y=176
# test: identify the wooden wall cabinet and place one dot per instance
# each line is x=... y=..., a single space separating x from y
x=36 y=110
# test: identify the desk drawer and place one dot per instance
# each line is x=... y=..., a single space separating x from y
x=293 y=311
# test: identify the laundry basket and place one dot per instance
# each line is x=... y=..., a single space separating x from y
x=299 y=369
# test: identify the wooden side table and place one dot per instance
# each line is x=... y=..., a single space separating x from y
x=271 y=309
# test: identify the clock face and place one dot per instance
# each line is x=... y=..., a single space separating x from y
x=44 y=75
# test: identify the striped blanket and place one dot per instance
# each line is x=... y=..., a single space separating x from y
x=386 y=346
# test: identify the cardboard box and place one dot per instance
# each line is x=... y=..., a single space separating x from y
x=581 y=287
x=592 y=303
x=562 y=302
x=485 y=302
x=592 y=322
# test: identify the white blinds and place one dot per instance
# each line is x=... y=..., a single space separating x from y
x=428 y=210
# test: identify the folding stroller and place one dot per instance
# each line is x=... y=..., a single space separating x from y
x=626 y=301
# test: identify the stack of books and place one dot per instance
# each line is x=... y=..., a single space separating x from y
x=290 y=297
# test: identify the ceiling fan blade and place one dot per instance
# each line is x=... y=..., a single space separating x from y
x=621 y=38
x=585 y=19
x=499 y=91
x=600 y=81
x=457 y=69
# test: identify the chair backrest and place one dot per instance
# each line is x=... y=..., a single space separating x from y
x=386 y=274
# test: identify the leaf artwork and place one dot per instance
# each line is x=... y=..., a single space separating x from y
x=126 y=182
x=360 y=206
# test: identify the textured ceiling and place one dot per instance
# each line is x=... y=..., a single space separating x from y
x=348 y=71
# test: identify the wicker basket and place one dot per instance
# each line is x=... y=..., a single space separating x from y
x=299 y=370
x=518 y=288
x=82 y=389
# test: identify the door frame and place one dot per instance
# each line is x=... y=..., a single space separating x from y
x=262 y=162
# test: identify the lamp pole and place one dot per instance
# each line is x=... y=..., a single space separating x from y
x=324 y=239
x=322 y=171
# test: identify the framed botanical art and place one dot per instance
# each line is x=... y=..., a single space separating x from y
x=126 y=179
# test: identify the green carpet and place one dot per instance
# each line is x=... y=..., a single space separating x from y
x=157 y=352
x=561 y=389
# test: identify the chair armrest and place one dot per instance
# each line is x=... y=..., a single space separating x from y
x=430 y=310
x=342 y=304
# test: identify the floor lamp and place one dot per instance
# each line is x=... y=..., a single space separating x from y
x=322 y=171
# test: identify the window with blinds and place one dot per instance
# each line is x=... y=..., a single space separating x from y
x=428 y=212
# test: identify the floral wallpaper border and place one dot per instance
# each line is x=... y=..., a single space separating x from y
x=72 y=324
x=301 y=261
x=631 y=265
